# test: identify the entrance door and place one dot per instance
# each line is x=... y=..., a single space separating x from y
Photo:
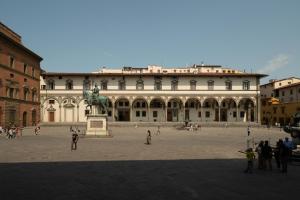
x=51 y=116
x=169 y=115
x=217 y=115
x=123 y=115
x=33 y=117
x=187 y=114
x=24 y=119
x=224 y=115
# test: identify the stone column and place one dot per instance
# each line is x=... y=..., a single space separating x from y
x=59 y=112
x=113 y=111
x=237 y=113
x=77 y=113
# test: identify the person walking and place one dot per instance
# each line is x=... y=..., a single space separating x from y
x=148 y=139
x=284 y=156
x=75 y=138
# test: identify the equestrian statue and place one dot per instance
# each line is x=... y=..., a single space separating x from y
x=94 y=99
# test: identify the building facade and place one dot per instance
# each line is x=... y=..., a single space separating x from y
x=280 y=100
x=19 y=81
x=199 y=93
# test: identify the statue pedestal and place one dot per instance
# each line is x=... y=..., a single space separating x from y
x=97 y=125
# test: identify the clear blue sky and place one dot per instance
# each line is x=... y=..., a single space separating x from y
x=83 y=35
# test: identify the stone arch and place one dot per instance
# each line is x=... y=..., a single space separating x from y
x=246 y=108
x=174 y=110
x=157 y=108
x=192 y=109
x=122 y=109
x=210 y=108
x=139 y=109
x=228 y=109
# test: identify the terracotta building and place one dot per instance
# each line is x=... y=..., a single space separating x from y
x=280 y=100
x=19 y=81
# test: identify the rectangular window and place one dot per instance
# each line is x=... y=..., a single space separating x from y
x=25 y=68
x=11 y=62
x=282 y=93
x=154 y=113
x=291 y=92
x=143 y=113
x=242 y=114
x=33 y=72
x=274 y=110
x=137 y=113
x=104 y=86
x=121 y=103
x=207 y=114
x=282 y=110
x=174 y=85
x=234 y=114
x=109 y=113
x=157 y=85
x=51 y=101
x=210 y=85
x=143 y=104
x=122 y=85
x=86 y=112
x=228 y=85
x=246 y=85
x=199 y=114
x=11 y=92
x=193 y=85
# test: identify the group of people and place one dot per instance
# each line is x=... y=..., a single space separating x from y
x=11 y=132
x=191 y=127
x=265 y=153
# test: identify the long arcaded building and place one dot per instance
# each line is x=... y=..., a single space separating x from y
x=199 y=93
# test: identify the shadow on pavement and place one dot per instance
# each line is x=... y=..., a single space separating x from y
x=145 y=179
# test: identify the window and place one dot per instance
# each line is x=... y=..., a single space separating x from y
x=86 y=112
x=140 y=84
x=122 y=85
x=33 y=97
x=51 y=84
x=25 y=93
x=274 y=110
x=11 y=62
x=193 y=84
x=282 y=93
x=246 y=85
x=104 y=85
x=11 y=92
x=174 y=84
x=109 y=113
x=143 y=113
x=33 y=72
x=69 y=84
x=86 y=84
x=157 y=85
x=291 y=92
x=228 y=85
x=210 y=85
x=154 y=113
x=234 y=114
x=207 y=114
x=25 y=68
x=199 y=114
x=137 y=113
x=242 y=114
x=282 y=110
x=51 y=101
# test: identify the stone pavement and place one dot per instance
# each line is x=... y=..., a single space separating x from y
x=179 y=164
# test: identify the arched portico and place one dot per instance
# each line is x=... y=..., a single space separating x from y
x=246 y=108
x=174 y=110
x=228 y=110
x=192 y=109
x=157 y=110
x=139 y=110
x=211 y=109
x=122 y=109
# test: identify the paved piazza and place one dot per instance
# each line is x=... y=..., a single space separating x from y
x=179 y=164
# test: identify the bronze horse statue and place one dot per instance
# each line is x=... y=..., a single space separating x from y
x=96 y=99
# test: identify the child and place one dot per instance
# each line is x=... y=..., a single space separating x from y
x=250 y=159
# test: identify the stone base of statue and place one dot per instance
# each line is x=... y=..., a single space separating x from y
x=97 y=126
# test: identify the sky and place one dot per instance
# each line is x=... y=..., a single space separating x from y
x=260 y=36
